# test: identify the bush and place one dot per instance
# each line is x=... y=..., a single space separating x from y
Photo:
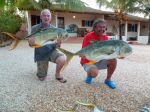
x=9 y=22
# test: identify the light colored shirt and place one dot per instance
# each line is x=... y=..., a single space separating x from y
x=42 y=53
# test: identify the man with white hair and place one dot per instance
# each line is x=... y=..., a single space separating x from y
x=48 y=52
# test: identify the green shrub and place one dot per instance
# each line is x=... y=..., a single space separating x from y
x=9 y=22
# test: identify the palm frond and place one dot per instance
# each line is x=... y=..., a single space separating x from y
x=71 y=5
x=28 y=5
x=49 y=4
x=102 y=2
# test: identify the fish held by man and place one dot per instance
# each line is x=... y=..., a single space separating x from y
x=109 y=49
x=42 y=36
x=97 y=51
x=46 y=36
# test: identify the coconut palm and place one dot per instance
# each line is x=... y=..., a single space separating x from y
x=120 y=8
x=144 y=7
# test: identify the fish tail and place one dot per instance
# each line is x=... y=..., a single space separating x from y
x=15 y=44
x=13 y=37
x=69 y=56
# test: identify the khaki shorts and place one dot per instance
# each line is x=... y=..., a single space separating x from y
x=54 y=55
x=99 y=65
x=42 y=66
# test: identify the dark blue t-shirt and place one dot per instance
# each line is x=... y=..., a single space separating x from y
x=42 y=53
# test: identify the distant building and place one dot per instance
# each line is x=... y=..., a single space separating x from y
x=79 y=23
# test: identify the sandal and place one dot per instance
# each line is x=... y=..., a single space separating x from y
x=42 y=78
x=61 y=80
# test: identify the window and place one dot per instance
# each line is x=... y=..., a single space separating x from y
x=60 y=22
x=35 y=20
x=87 y=23
x=132 y=27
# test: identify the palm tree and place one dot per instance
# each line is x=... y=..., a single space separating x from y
x=120 y=8
x=144 y=7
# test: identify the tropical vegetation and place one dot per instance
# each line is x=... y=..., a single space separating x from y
x=144 y=7
x=10 y=20
x=122 y=7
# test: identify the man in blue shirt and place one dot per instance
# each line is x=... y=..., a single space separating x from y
x=48 y=52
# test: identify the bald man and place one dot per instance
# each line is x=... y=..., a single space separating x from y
x=47 y=53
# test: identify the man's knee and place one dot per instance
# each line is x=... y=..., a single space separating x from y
x=93 y=72
x=112 y=62
x=61 y=59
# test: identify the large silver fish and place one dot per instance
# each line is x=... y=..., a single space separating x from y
x=44 y=36
x=97 y=51
x=109 y=49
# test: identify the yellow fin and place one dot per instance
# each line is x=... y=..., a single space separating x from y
x=15 y=44
x=36 y=46
x=89 y=105
x=91 y=62
x=69 y=56
x=13 y=37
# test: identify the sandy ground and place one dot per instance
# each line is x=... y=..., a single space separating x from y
x=21 y=91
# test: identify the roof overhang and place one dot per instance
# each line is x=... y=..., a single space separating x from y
x=89 y=10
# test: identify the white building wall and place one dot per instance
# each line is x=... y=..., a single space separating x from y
x=144 y=30
x=112 y=25
x=68 y=18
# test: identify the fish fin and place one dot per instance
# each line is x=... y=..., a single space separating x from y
x=69 y=56
x=15 y=44
x=96 y=109
x=10 y=35
x=91 y=62
x=36 y=46
x=89 y=105
x=32 y=33
x=13 y=37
